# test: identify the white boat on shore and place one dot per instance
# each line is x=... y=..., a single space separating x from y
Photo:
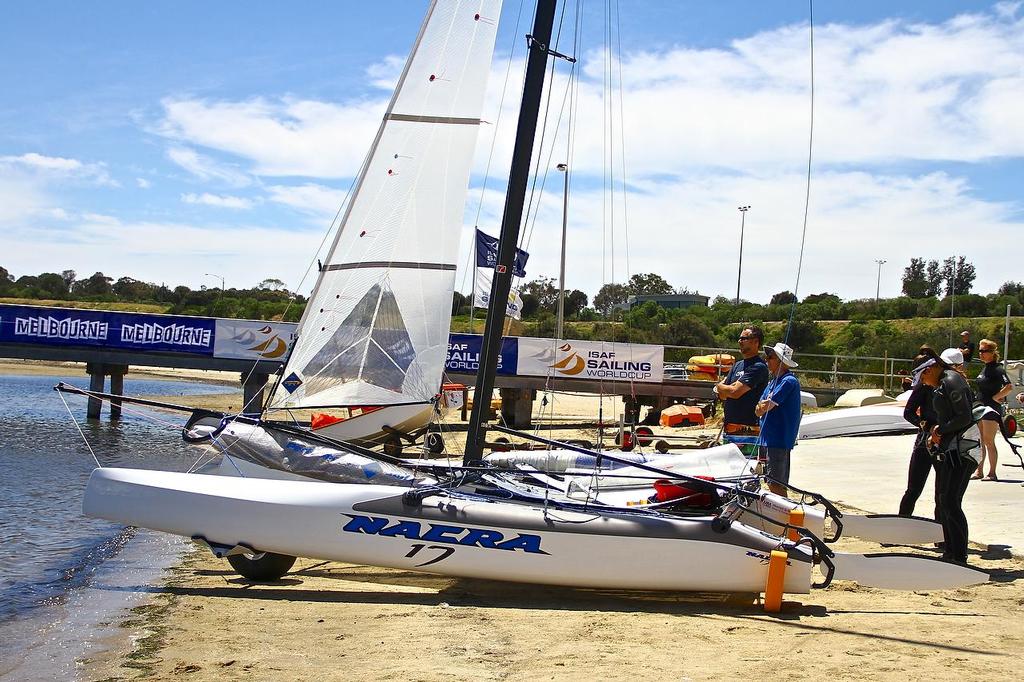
x=871 y=420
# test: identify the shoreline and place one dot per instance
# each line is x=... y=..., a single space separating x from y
x=330 y=620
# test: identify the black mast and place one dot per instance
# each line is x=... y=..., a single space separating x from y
x=519 y=175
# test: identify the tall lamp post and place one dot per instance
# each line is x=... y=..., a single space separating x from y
x=739 y=273
x=564 y=168
x=878 y=282
x=220 y=277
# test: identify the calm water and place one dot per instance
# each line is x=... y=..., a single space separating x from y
x=60 y=573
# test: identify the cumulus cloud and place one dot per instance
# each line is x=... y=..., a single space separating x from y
x=143 y=183
x=279 y=137
x=313 y=199
x=384 y=74
x=217 y=200
x=57 y=168
x=206 y=168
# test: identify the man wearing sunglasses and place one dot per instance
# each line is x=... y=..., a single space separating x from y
x=743 y=386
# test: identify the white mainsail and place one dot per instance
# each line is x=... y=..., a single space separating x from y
x=375 y=330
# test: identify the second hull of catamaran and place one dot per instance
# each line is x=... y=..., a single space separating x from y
x=871 y=420
x=448 y=534
x=372 y=427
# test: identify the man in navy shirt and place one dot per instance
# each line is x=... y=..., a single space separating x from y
x=743 y=386
x=779 y=410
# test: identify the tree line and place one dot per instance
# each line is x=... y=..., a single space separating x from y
x=268 y=300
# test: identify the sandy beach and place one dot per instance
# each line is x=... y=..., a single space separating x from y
x=329 y=620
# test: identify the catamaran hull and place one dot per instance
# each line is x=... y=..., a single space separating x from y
x=472 y=538
x=369 y=428
x=872 y=420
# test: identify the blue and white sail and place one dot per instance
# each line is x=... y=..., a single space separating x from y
x=375 y=330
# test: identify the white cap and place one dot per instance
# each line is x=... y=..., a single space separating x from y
x=784 y=353
x=952 y=356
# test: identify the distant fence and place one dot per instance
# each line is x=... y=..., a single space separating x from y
x=835 y=371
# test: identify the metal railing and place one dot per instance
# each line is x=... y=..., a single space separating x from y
x=882 y=371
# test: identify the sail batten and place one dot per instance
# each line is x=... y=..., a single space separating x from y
x=375 y=329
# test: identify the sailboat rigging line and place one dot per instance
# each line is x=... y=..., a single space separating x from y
x=525 y=238
x=68 y=388
x=701 y=484
x=622 y=138
x=497 y=121
x=80 y=432
x=501 y=283
x=807 y=195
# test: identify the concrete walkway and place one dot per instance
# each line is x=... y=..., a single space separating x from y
x=870 y=473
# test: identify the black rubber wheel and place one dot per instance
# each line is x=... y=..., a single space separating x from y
x=393 y=446
x=1010 y=422
x=265 y=566
x=434 y=443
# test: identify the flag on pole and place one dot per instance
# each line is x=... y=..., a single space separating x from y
x=487 y=255
x=483 y=294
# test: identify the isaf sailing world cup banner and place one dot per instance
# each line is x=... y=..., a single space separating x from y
x=591 y=360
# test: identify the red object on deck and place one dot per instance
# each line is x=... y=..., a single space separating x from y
x=664 y=491
x=319 y=420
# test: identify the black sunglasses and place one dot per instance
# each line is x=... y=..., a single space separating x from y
x=745 y=338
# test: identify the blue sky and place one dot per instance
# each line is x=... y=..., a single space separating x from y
x=168 y=140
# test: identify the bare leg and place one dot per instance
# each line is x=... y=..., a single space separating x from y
x=988 y=447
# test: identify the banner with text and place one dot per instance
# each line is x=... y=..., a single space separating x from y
x=591 y=360
x=124 y=331
x=464 y=354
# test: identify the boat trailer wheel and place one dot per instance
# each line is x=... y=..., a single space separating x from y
x=1010 y=422
x=262 y=567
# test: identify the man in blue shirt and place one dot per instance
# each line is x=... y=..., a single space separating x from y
x=779 y=410
x=743 y=386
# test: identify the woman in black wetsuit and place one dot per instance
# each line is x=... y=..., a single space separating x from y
x=993 y=387
x=919 y=412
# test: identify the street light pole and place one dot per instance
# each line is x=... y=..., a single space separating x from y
x=220 y=277
x=878 y=282
x=739 y=273
x=564 y=168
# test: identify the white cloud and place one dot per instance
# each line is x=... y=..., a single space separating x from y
x=143 y=183
x=156 y=252
x=280 y=138
x=316 y=200
x=384 y=74
x=217 y=200
x=57 y=168
x=205 y=168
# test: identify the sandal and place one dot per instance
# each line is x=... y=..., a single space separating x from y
x=976 y=477
x=991 y=477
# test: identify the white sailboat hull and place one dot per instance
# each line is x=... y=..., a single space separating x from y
x=872 y=420
x=369 y=427
x=368 y=524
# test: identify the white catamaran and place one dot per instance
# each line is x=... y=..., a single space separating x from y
x=374 y=334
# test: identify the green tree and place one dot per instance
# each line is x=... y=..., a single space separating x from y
x=52 y=285
x=958 y=275
x=648 y=284
x=544 y=289
x=687 y=330
x=915 y=282
x=609 y=296
x=97 y=285
x=1006 y=289
x=575 y=301
x=935 y=278
x=783 y=298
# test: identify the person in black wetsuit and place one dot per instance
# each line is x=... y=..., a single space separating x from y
x=919 y=412
x=952 y=401
x=993 y=387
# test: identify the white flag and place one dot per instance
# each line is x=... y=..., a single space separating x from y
x=483 y=294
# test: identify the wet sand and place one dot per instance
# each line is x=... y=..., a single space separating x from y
x=334 y=621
